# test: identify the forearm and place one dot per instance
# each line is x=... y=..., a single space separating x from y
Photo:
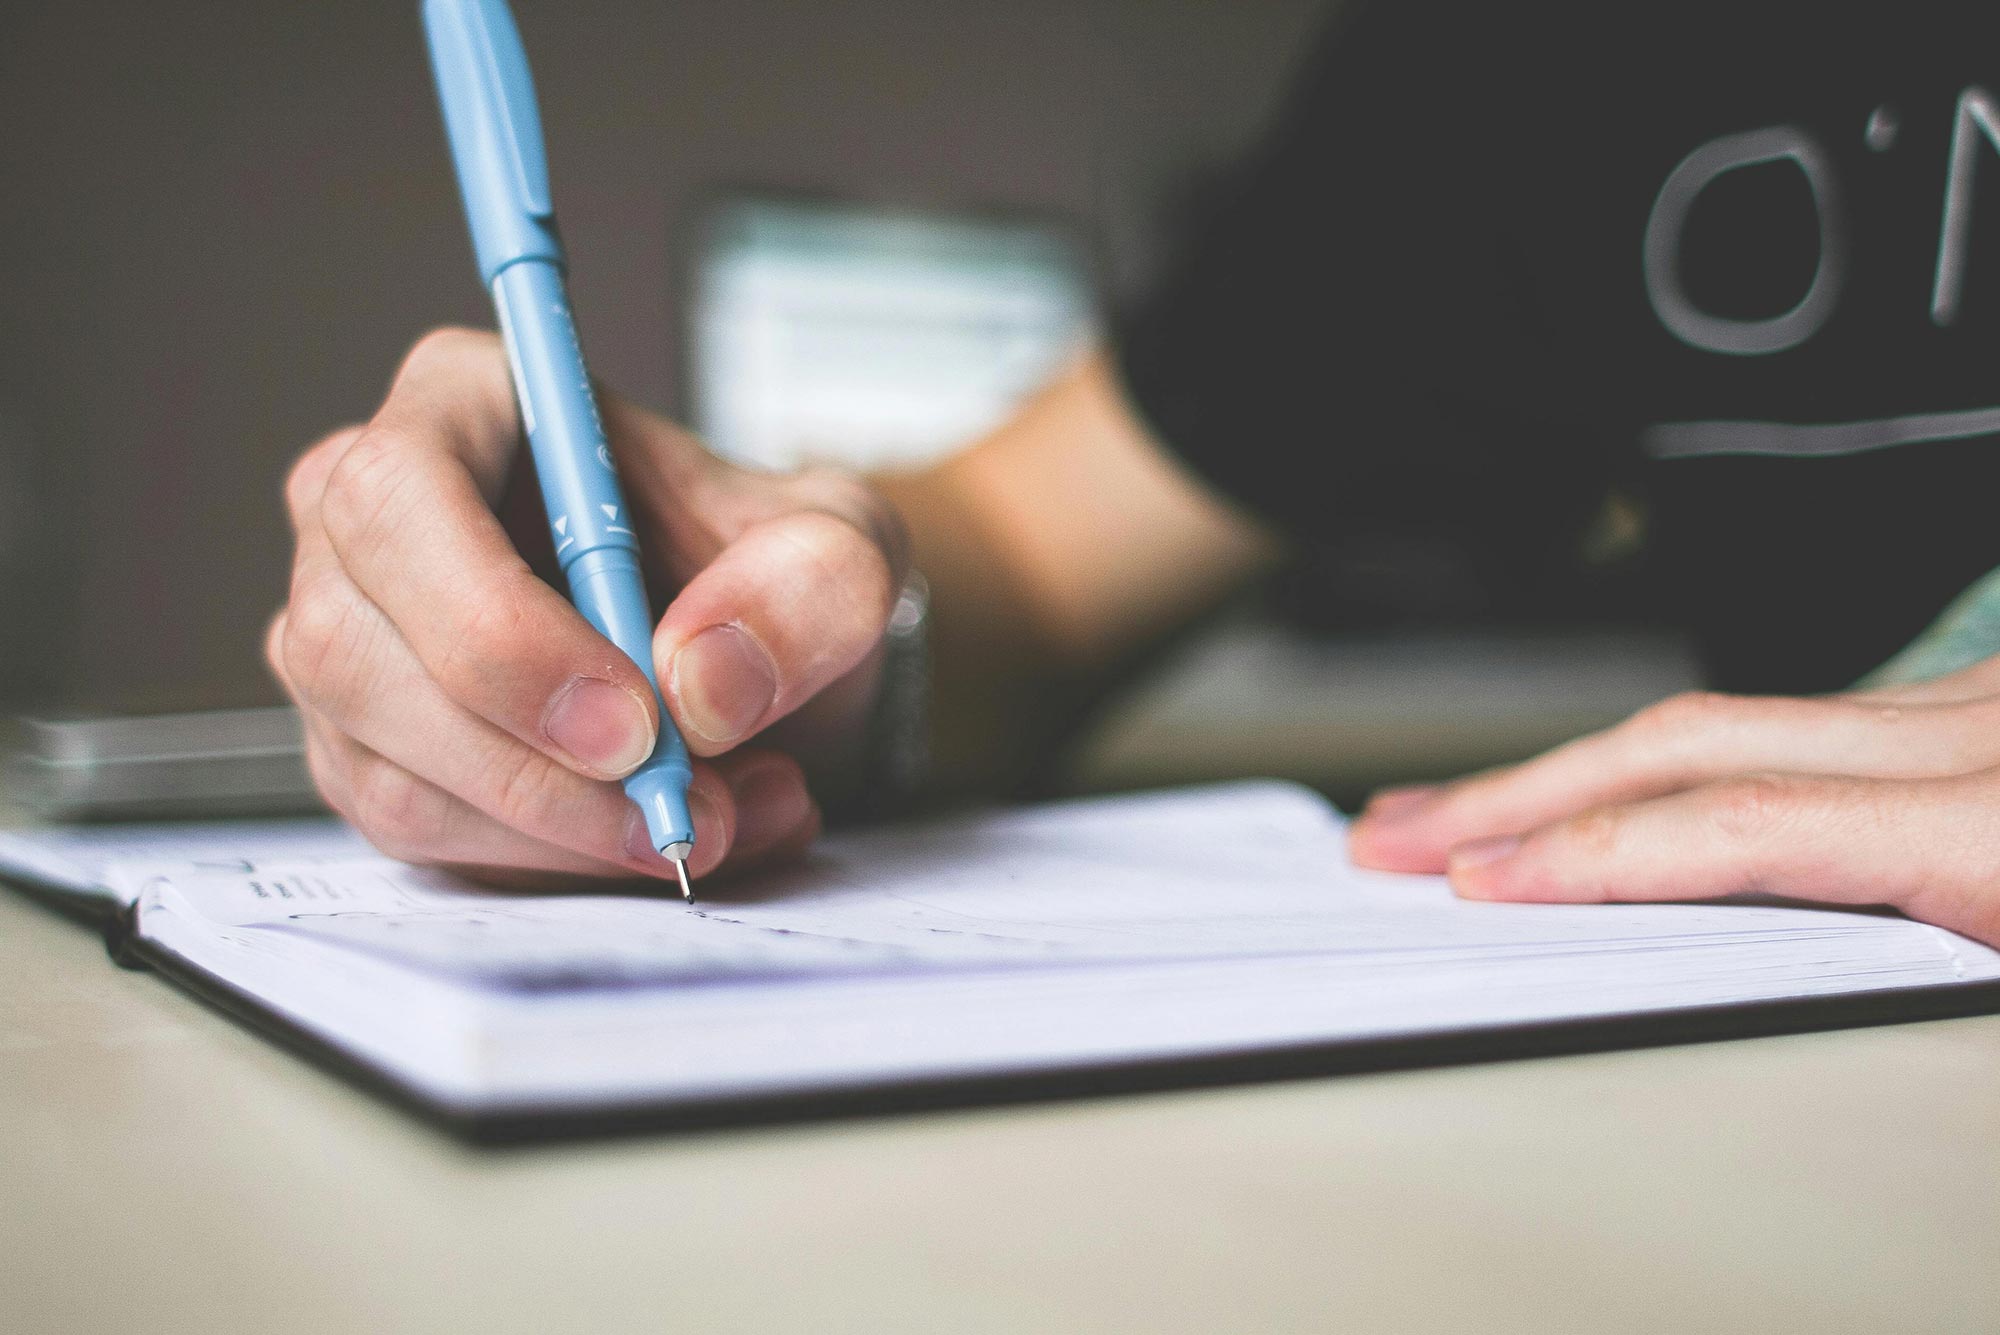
x=1057 y=549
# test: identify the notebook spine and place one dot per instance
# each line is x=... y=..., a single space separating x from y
x=121 y=937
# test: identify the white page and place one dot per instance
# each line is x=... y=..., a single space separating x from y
x=79 y=858
x=1085 y=882
x=1062 y=937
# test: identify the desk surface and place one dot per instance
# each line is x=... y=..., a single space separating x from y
x=162 y=1168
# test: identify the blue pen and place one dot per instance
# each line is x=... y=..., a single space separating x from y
x=496 y=144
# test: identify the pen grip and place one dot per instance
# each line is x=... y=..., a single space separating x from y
x=607 y=589
x=573 y=462
x=594 y=540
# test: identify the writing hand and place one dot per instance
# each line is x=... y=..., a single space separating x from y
x=459 y=711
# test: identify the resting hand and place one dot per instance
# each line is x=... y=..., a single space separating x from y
x=459 y=711
x=1878 y=797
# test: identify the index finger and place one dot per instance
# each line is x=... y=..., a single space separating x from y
x=1924 y=846
x=1679 y=743
x=408 y=511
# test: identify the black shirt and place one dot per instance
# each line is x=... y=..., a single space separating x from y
x=1496 y=260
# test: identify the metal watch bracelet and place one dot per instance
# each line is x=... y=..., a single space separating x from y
x=895 y=752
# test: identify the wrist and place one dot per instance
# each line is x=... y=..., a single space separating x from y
x=880 y=766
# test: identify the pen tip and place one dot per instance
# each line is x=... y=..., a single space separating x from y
x=681 y=870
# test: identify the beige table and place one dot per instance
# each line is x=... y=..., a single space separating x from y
x=163 y=1169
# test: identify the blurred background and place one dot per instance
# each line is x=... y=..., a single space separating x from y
x=856 y=229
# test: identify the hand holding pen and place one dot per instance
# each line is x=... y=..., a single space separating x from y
x=458 y=709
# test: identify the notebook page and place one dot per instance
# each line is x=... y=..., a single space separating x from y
x=79 y=858
x=1079 y=883
x=1062 y=937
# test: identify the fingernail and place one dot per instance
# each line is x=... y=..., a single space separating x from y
x=1484 y=852
x=711 y=839
x=639 y=848
x=1401 y=803
x=770 y=804
x=604 y=726
x=724 y=683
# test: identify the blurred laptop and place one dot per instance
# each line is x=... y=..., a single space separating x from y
x=838 y=332
x=227 y=762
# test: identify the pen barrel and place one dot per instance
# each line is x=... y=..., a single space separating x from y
x=573 y=462
x=588 y=520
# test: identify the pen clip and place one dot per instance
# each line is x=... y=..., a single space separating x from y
x=495 y=128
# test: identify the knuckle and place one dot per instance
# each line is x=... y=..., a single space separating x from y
x=329 y=777
x=1690 y=711
x=447 y=343
x=399 y=813
x=321 y=636
x=316 y=627
x=487 y=633
x=362 y=486
x=306 y=480
x=850 y=498
x=1594 y=835
x=847 y=563
x=528 y=791
x=1746 y=810
x=274 y=646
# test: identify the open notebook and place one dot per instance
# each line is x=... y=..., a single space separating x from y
x=1079 y=944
